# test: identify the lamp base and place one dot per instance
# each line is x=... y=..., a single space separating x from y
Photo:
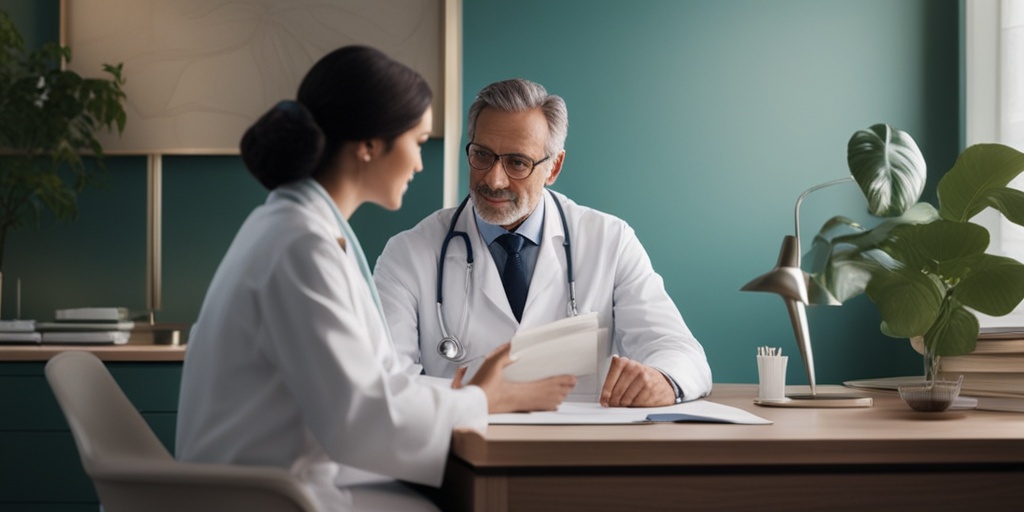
x=818 y=401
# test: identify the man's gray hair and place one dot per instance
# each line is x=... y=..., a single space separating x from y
x=519 y=95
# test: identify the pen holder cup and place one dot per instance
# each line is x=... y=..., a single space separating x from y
x=771 y=374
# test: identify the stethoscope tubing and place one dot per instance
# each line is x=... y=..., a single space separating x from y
x=450 y=347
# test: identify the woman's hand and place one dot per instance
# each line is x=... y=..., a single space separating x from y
x=504 y=396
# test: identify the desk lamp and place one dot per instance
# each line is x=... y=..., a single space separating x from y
x=797 y=289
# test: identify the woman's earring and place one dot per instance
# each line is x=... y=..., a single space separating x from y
x=366 y=158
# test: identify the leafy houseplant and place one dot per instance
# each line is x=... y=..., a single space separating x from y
x=925 y=269
x=49 y=118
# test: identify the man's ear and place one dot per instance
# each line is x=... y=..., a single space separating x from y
x=556 y=168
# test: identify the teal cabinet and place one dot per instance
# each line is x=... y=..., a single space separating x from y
x=39 y=465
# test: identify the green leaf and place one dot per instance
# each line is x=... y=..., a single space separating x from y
x=994 y=285
x=888 y=167
x=48 y=119
x=955 y=331
x=908 y=301
x=844 y=254
x=1010 y=202
x=936 y=245
x=978 y=180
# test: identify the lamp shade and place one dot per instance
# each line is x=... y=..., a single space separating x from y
x=786 y=279
x=790 y=282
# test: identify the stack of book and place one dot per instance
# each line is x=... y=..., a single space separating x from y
x=88 y=325
x=994 y=371
x=18 y=331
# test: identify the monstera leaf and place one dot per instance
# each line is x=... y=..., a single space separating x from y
x=889 y=168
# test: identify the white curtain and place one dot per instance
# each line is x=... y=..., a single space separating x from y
x=994 y=50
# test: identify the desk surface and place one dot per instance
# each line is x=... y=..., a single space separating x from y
x=888 y=432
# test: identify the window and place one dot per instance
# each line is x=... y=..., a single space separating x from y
x=994 y=108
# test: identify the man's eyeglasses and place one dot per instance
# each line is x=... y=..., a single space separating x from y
x=516 y=166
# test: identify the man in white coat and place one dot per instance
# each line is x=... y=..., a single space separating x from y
x=516 y=133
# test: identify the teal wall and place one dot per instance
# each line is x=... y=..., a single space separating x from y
x=697 y=121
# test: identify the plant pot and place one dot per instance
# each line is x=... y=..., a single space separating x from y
x=933 y=393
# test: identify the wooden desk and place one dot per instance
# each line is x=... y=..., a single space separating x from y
x=886 y=457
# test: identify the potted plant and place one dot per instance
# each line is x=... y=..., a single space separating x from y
x=924 y=268
x=50 y=116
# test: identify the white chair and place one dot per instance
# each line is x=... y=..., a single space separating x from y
x=131 y=469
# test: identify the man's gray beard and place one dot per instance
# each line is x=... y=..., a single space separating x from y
x=500 y=218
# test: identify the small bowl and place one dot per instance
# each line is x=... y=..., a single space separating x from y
x=934 y=396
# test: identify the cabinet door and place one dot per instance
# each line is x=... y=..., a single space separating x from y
x=39 y=464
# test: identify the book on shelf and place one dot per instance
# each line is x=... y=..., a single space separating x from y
x=85 y=337
x=1001 y=333
x=1000 y=340
x=102 y=314
x=982 y=363
x=18 y=331
x=17 y=325
x=986 y=344
x=20 y=337
x=1000 y=403
x=991 y=383
x=85 y=326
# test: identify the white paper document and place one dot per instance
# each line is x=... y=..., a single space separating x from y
x=564 y=347
x=578 y=413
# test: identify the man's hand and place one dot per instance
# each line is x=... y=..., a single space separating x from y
x=632 y=384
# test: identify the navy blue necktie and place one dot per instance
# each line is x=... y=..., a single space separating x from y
x=513 y=277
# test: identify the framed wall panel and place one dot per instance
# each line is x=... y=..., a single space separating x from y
x=199 y=72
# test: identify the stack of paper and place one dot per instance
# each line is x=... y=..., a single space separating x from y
x=574 y=413
x=92 y=315
x=564 y=347
x=88 y=325
x=18 y=331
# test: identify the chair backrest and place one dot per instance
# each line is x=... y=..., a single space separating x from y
x=130 y=467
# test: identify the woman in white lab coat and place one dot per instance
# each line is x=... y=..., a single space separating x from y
x=290 y=362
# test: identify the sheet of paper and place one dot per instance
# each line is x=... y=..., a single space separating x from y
x=577 y=413
x=566 y=347
x=537 y=335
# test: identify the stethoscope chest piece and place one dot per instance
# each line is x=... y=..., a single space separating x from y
x=451 y=349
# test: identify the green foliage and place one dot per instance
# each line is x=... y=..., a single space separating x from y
x=50 y=118
x=888 y=167
x=925 y=269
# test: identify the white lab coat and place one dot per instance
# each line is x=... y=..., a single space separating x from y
x=289 y=365
x=614 y=277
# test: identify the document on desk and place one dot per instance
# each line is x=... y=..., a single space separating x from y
x=580 y=413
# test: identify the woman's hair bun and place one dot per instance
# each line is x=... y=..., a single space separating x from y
x=283 y=145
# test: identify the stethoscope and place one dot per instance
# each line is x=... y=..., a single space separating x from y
x=450 y=347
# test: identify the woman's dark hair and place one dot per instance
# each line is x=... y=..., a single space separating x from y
x=353 y=93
